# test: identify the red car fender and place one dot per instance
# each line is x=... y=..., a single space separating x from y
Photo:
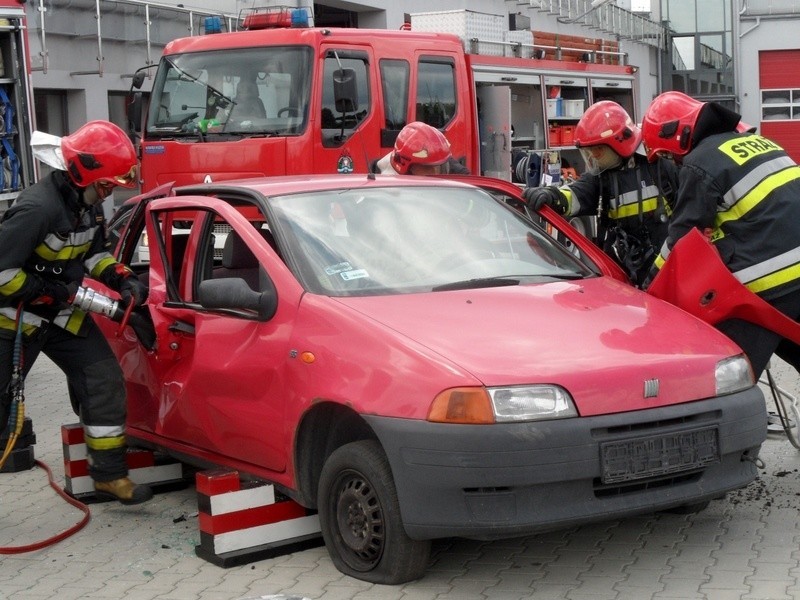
x=712 y=293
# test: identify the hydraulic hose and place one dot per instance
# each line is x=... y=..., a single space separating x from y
x=64 y=534
x=17 y=417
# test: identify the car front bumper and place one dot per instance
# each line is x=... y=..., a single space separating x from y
x=512 y=479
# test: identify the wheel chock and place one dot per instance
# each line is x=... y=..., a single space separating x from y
x=242 y=522
x=159 y=472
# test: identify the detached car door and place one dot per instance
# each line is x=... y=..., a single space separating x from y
x=219 y=388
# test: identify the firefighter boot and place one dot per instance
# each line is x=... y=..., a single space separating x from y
x=124 y=490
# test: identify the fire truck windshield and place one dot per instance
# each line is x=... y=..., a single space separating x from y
x=246 y=91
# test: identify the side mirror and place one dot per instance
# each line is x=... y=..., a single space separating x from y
x=233 y=293
x=135 y=113
x=345 y=90
x=138 y=80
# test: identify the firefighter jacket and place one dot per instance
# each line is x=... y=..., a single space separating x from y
x=633 y=203
x=50 y=237
x=743 y=191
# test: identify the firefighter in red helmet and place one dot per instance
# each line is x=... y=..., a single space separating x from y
x=742 y=190
x=50 y=238
x=420 y=149
x=631 y=198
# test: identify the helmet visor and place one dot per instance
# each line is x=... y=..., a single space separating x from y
x=126 y=180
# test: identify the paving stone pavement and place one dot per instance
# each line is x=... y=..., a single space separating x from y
x=743 y=547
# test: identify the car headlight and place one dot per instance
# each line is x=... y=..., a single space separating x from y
x=531 y=403
x=733 y=374
x=501 y=404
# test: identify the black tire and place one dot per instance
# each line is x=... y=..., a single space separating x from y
x=360 y=518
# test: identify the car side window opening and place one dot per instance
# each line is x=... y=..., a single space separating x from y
x=349 y=71
x=436 y=92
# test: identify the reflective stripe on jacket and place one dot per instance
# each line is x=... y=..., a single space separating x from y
x=636 y=196
x=743 y=190
x=49 y=234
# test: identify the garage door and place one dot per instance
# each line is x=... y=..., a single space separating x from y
x=779 y=82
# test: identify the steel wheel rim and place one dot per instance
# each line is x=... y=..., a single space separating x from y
x=359 y=521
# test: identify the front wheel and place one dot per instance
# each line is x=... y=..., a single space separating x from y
x=360 y=518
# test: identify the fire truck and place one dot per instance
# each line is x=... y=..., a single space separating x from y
x=16 y=104
x=279 y=98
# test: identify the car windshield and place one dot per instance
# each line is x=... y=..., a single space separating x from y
x=404 y=239
x=252 y=91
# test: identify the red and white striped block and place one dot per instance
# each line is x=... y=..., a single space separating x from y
x=241 y=523
x=142 y=464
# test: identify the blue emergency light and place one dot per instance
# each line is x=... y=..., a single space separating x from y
x=212 y=24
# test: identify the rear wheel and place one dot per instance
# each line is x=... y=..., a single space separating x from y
x=360 y=518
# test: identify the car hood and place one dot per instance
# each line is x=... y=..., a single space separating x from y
x=598 y=338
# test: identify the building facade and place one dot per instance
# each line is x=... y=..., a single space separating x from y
x=740 y=52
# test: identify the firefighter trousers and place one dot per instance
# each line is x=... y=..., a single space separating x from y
x=96 y=389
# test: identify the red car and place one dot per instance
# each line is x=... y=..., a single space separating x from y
x=414 y=358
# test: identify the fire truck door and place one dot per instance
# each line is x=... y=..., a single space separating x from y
x=494 y=126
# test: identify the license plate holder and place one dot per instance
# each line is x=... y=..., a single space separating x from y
x=655 y=456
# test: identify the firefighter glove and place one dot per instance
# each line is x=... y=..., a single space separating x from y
x=133 y=290
x=549 y=195
x=55 y=294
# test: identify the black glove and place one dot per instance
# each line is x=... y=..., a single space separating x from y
x=55 y=294
x=549 y=195
x=131 y=289
x=143 y=327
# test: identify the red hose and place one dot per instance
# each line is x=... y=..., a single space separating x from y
x=64 y=534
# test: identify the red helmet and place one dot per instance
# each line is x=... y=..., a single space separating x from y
x=669 y=123
x=606 y=122
x=419 y=144
x=99 y=151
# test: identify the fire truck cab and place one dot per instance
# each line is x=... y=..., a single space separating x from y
x=282 y=99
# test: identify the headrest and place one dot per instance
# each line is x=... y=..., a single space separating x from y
x=236 y=254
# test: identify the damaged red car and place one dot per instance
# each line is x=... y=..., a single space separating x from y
x=415 y=358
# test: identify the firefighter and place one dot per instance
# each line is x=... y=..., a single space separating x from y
x=742 y=190
x=631 y=198
x=420 y=149
x=51 y=237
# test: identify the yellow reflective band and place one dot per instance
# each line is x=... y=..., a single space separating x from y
x=14 y=285
x=109 y=443
x=567 y=193
x=103 y=265
x=773 y=280
x=66 y=253
x=740 y=150
x=73 y=323
x=6 y=323
x=659 y=262
x=632 y=210
x=752 y=199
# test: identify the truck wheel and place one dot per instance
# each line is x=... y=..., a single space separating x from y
x=360 y=518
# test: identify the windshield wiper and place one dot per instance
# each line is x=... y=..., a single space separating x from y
x=222 y=100
x=473 y=284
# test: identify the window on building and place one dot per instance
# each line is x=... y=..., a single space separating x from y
x=50 y=108
x=701 y=60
